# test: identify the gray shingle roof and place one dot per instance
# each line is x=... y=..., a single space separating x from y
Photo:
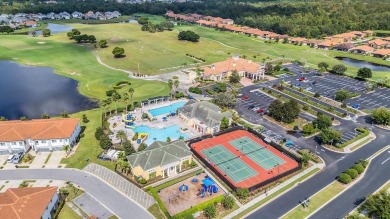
x=159 y=154
x=206 y=112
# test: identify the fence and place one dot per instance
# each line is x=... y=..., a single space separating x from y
x=257 y=134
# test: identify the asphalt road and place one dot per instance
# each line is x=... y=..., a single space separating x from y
x=376 y=175
x=336 y=163
x=122 y=206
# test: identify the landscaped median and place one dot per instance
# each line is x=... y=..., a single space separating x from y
x=363 y=138
x=331 y=191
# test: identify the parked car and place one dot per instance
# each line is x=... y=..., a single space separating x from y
x=10 y=158
x=244 y=97
x=301 y=79
x=17 y=158
x=256 y=108
x=314 y=82
x=251 y=107
x=260 y=111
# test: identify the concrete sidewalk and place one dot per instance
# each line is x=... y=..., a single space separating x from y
x=273 y=190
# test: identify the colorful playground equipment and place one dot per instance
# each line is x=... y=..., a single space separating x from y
x=128 y=119
x=183 y=188
x=141 y=136
x=208 y=187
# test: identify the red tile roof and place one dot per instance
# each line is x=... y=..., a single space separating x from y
x=37 y=129
x=364 y=48
x=25 y=203
x=383 y=52
x=378 y=42
x=231 y=64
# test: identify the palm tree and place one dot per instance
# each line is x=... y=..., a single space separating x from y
x=170 y=84
x=121 y=134
x=131 y=92
x=176 y=83
x=105 y=104
x=66 y=148
x=125 y=99
x=115 y=97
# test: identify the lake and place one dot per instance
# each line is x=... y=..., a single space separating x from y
x=362 y=64
x=30 y=91
x=56 y=28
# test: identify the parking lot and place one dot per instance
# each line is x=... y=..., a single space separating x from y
x=381 y=97
x=256 y=101
x=348 y=135
x=92 y=207
x=277 y=138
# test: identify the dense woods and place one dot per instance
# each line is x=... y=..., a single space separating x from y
x=311 y=19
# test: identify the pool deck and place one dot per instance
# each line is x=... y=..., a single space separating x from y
x=156 y=122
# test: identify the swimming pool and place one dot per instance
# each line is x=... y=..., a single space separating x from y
x=167 y=109
x=156 y=134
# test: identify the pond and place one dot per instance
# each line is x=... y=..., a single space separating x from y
x=362 y=64
x=56 y=28
x=30 y=91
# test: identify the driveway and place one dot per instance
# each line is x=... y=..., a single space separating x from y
x=92 y=207
x=118 y=203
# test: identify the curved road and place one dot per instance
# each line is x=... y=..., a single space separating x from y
x=336 y=163
x=122 y=206
x=376 y=175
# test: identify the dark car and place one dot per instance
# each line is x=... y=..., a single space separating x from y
x=251 y=107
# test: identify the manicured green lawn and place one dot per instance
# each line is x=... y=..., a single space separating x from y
x=68 y=213
x=316 y=201
x=76 y=62
x=155 y=211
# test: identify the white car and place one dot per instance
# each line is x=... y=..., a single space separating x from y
x=255 y=109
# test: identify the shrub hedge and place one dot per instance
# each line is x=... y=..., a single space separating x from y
x=359 y=168
x=352 y=173
x=344 y=178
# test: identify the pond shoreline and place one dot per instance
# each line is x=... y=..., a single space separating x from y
x=360 y=63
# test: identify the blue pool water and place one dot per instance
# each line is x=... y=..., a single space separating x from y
x=156 y=134
x=167 y=109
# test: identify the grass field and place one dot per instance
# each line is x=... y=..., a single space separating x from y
x=77 y=62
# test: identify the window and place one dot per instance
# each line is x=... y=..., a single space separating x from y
x=13 y=143
x=43 y=142
x=2 y=144
x=53 y=141
x=21 y=143
x=36 y=142
x=60 y=140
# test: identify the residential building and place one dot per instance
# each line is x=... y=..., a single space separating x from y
x=29 y=203
x=364 y=49
x=245 y=68
x=325 y=45
x=38 y=134
x=381 y=53
x=387 y=39
x=297 y=40
x=203 y=116
x=160 y=159
x=345 y=47
x=77 y=14
x=377 y=43
x=313 y=43
x=64 y=15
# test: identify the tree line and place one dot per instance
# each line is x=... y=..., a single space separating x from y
x=311 y=19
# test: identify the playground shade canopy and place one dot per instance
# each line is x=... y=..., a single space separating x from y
x=207 y=182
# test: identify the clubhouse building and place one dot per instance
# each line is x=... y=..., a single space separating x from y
x=203 y=116
x=160 y=159
x=38 y=134
x=245 y=68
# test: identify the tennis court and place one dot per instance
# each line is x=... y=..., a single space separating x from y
x=243 y=159
x=257 y=153
x=233 y=167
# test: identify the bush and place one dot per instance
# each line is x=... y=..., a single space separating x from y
x=228 y=202
x=195 y=90
x=364 y=163
x=242 y=193
x=308 y=129
x=344 y=178
x=142 y=181
x=98 y=133
x=210 y=211
x=359 y=168
x=317 y=95
x=352 y=173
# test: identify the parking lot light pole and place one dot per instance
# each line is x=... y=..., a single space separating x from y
x=316 y=150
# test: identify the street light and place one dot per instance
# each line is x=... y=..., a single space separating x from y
x=316 y=150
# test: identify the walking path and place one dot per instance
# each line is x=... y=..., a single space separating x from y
x=273 y=190
x=121 y=184
x=174 y=177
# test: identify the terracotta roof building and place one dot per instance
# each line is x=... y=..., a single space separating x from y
x=377 y=43
x=381 y=53
x=40 y=134
x=364 y=49
x=325 y=44
x=345 y=47
x=245 y=68
x=29 y=203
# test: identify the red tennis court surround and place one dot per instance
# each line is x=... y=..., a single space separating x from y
x=258 y=162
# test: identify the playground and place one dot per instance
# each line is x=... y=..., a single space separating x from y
x=242 y=159
x=189 y=192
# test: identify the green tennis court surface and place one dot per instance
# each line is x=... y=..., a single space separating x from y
x=257 y=153
x=232 y=166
